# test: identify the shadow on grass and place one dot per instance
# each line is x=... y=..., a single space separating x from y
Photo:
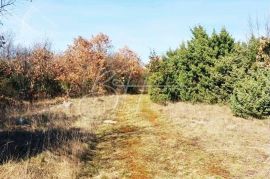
x=17 y=145
x=37 y=120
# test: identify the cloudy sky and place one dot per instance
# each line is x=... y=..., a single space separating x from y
x=143 y=25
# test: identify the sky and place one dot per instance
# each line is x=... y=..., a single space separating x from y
x=142 y=25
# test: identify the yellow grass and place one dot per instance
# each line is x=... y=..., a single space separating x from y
x=147 y=140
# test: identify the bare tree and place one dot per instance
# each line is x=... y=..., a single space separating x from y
x=267 y=27
x=4 y=4
x=257 y=29
x=8 y=50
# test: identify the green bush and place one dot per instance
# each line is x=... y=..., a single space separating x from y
x=6 y=86
x=251 y=96
x=186 y=73
x=163 y=83
x=194 y=67
x=224 y=75
x=215 y=69
x=158 y=90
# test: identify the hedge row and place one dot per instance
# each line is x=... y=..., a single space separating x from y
x=87 y=67
x=215 y=69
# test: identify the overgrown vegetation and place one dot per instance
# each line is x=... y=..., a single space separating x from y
x=87 y=67
x=251 y=96
x=210 y=68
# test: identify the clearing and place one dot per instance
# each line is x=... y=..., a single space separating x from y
x=128 y=136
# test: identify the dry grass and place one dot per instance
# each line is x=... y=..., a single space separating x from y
x=181 y=141
x=147 y=141
x=243 y=146
x=56 y=140
x=45 y=165
x=145 y=145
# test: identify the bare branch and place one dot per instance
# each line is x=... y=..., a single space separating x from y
x=4 y=4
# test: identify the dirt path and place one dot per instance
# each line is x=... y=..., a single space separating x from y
x=142 y=144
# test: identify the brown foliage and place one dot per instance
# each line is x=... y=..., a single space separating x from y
x=263 y=56
x=82 y=66
x=36 y=69
x=127 y=71
x=154 y=63
x=87 y=67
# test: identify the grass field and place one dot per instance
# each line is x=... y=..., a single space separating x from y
x=128 y=136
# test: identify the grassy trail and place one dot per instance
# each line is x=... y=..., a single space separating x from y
x=142 y=144
x=128 y=136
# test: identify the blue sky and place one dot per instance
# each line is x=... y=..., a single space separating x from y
x=140 y=24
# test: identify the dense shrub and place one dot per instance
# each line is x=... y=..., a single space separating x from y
x=29 y=75
x=194 y=73
x=154 y=63
x=227 y=71
x=215 y=69
x=163 y=77
x=33 y=77
x=251 y=96
x=6 y=87
x=224 y=74
x=156 y=90
x=186 y=73
x=126 y=74
x=82 y=67
x=231 y=68
x=87 y=67
x=263 y=54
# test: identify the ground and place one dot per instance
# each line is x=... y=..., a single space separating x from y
x=128 y=136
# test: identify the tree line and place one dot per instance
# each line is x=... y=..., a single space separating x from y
x=207 y=68
x=87 y=67
x=215 y=69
